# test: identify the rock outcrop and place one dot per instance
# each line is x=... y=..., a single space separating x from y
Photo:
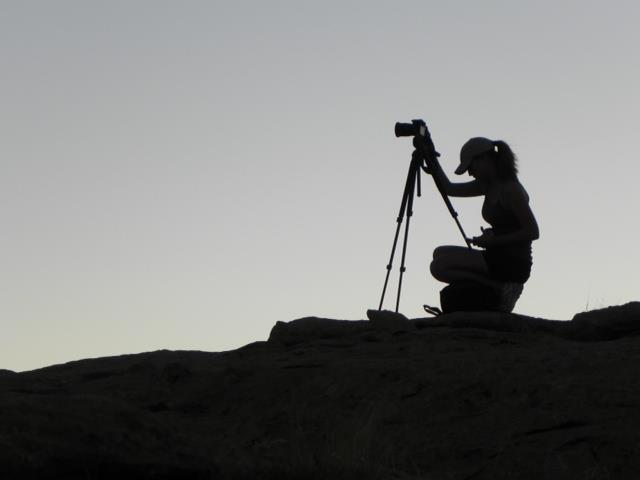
x=459 y=396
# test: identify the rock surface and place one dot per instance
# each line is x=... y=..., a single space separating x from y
x=460 y=396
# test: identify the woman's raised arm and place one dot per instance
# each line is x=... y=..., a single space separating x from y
x=465 y=189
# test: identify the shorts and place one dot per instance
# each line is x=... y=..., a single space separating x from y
x=507 y=268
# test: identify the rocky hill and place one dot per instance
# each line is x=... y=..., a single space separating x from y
x=460 y=396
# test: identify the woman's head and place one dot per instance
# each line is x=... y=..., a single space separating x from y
x=488 y=159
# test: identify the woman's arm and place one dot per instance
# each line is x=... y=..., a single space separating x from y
x=467 y=189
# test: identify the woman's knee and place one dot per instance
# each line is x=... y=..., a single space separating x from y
x=460 y=259
x=437 y=267
x=444 y=250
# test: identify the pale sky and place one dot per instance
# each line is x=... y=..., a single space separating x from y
x=184 y=174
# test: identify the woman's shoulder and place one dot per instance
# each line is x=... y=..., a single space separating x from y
x=513 y=190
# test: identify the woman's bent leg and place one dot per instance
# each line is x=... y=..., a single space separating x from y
x=455 y=264
x=445 y=250
x=454 y=276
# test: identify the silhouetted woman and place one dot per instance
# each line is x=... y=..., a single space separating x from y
x=505 y=263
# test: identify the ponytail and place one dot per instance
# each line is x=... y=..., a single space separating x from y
x=506 y=160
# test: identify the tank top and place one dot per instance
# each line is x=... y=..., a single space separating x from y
x=503 y=221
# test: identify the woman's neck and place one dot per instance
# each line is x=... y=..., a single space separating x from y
x=488 y=185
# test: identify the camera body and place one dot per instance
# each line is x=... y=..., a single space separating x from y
x=421 y=136
x=417 y=128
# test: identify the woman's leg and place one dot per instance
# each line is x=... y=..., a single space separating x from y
x=453 y=276
x=447 y=250
x=454 y=264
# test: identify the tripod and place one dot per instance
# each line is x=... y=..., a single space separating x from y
x=424 y=153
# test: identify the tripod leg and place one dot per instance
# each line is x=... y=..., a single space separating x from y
x=406 y=197
x=390 y=264
x=406 y=238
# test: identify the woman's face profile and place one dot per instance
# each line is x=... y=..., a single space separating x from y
x=482 y=167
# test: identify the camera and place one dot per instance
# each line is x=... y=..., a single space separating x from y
x=413 y=129
x=420 y=133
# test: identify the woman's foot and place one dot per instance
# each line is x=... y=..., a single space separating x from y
x=509 y=295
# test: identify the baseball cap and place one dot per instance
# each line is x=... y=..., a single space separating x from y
x=474 y=146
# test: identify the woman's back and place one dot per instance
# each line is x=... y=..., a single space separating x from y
x=512 y=260
x=498 y=213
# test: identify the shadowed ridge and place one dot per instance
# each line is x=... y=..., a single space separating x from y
x=315 y=328
x=595 y=325
x=607 y=323
x=497 y=321
x=465 y=395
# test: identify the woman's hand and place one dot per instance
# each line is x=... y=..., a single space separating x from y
x=486 y=240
